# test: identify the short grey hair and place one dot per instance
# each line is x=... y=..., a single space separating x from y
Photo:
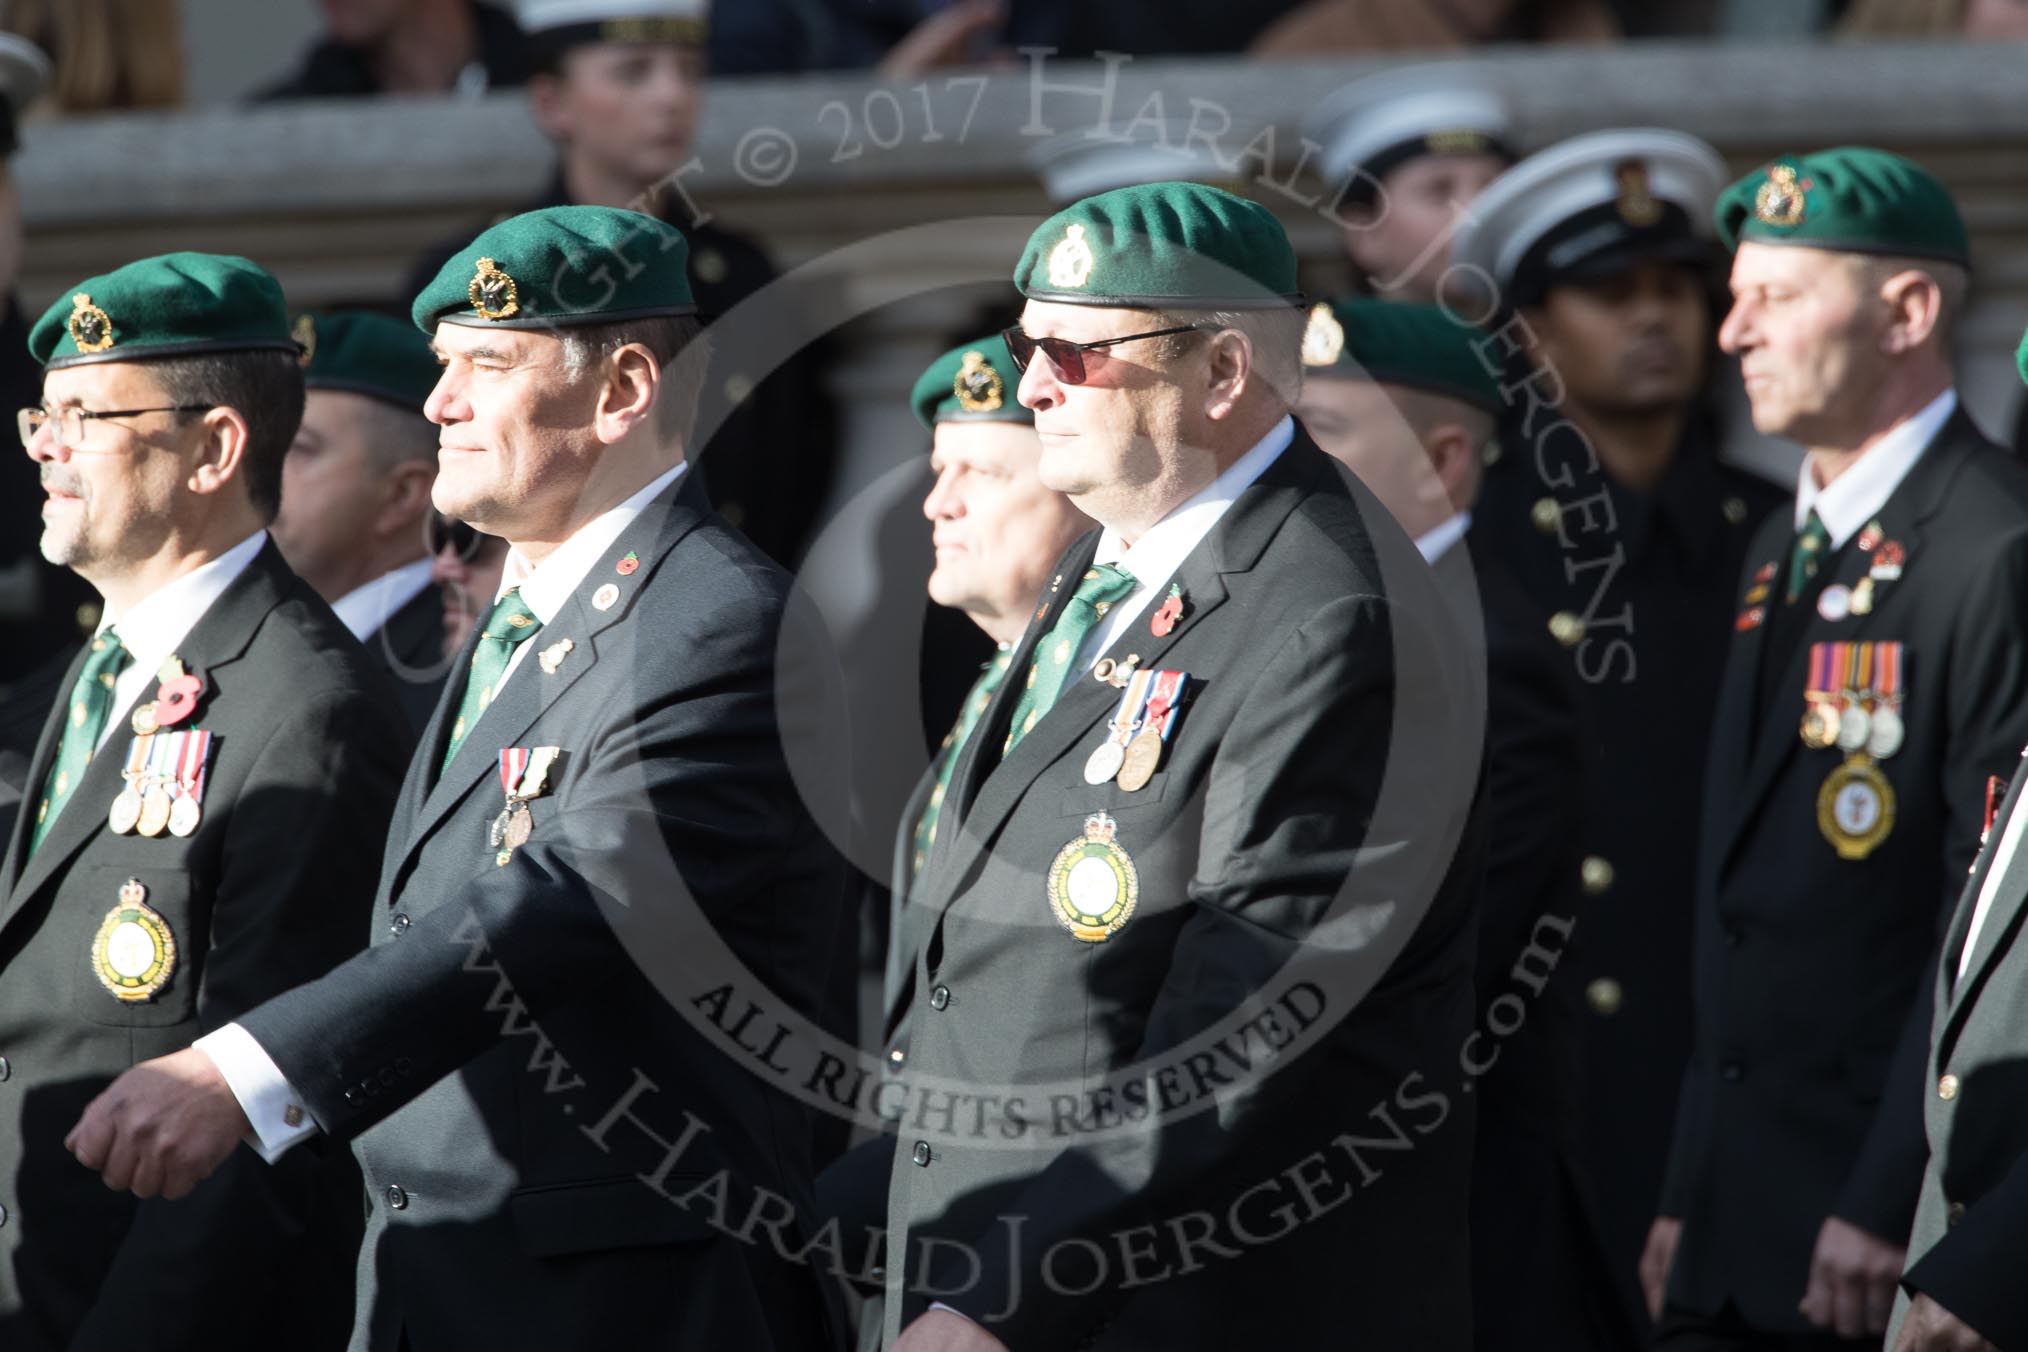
x=1274 y=335
x=665 y=336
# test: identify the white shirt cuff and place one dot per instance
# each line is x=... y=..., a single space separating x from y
x=939 y=1305
x=270 y=1103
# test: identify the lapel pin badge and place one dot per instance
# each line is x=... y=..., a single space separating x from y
x=552 y=657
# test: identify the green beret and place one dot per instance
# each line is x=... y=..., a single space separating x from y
x=561 y=266
x=973 y=382
x=1852 y=200
x=367 y=353
x=1399 y=343
x=169 y=306
x=1161 y=246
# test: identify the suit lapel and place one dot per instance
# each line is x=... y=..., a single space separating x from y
x=214 y=643
x=2008 y=893
x=994 y=786
x=38 y=775
x=530 y=690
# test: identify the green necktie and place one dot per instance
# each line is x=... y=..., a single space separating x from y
x=511 y=623
x=1102 y=586
x=91 y=704
x=947 y=756
x=1806 y=556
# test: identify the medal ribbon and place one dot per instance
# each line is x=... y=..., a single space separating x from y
x=195 y=747
x=1127 y=719
x=513 y=763
x=1859 y=674
x=1821 y=657
x=137 y=760
x=1161 y=715
x=160 y=747
x=1887 y=673
x=535 y=779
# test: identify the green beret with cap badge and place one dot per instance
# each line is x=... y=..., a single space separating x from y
x=172 y=305
x=973 y=382
x=1161 y=246
x=1399 y=343
x=559 y=267
x=1853 y=199
x=361 y=352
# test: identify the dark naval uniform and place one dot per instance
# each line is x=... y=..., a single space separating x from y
x=411 y=646
x=768 y=466
x=1643 y=610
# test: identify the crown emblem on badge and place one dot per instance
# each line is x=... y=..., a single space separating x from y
x=132 y=893
x=1070 y=261
x=1636 y=202
x=1780 y=200
x=90 y=327
x=1323 y=337
x=305 y=334
x=978 y=386
x=493 y=293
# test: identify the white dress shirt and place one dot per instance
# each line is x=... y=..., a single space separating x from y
x=366 y=610
x=1164 y=545
x=1434 y=543
x=1856 y=496
x=273 y=1108
x=156 y=624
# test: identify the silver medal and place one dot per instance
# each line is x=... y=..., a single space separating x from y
x=1105 y=762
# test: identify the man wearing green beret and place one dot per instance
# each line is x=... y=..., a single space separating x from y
x=1151 y=843
x=356 y=493
x=1876 y=681
x=1398 y=393
x=1958 y=1291
x=601 y=799
x=209 y=796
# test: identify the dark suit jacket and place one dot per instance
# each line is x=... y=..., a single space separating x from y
x=1540 y=1273
x=1812 y=972
x=1316 y=756
x=1964 y=1250
x=411 y=647
x=522 y=1034
x=267 y=893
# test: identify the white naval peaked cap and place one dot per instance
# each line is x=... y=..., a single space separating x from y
x=24 y=71
x=1079 y=164
x=1591 y=204
x=1384 y=120
x=539 y=16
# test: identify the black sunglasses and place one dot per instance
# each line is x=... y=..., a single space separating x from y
x=1068 y=357
x=445 y=532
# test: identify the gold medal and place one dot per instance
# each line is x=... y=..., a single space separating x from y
x=134 y=951
x=1143 y=754
x=1820 y=726
x=143 y=721
x=1093 y=884
x=520 y=822
x=155 y=809
x=1855 y=807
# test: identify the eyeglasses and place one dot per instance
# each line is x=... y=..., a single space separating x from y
x=449 y=533
x=70 y=420
x=1068 y=357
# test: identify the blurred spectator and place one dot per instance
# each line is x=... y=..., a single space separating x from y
x=41 y=622
x=109 y=54
x=408 y=47
x=466 y=567
x=1324 y=26
x=1988 y=19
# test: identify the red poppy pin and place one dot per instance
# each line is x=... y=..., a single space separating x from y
x=627 y=564
x=176 y=699
x=1170 y=611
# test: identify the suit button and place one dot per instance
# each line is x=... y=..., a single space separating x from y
x=1566 y=628
x=402 y=1065
x=940 y=998
x=1954 y=1213
x=6 y=1068
x=1947 y=1088
x=1604 y=996
x=921 y=1154
x=1546 y=515
x=897 y=1056
x=352 y=1096
x=397 y=1200
x=399 y=925
x=1732 y=1072
x=877 y=1273
x=1596 y=873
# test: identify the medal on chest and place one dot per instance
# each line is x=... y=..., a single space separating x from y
x=524 y=774
x=1093 y=885
x=134 y=952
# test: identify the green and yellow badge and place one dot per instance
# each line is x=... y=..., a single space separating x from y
x=90 y=327
x=493 y=293
x=1855 y=807
x=1093 y=884
x=1780 y=201
x=977 y=386
x=1323 y=337
x=134 y=952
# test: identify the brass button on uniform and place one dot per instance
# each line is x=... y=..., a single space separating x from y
x=1546 y=515
x=1947 y=1088
x=1954 y=1213
x=1566 y=628
x=1604 y=996
x=1596 y=873
x=897 y=1056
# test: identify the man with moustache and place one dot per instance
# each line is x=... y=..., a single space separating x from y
x=1609 y=505
x=356 y=493
x=1160 y=825
x=619 y=87
x=1397 y=393
x=1870 y=692
x=209 y=798
x=603 y=797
